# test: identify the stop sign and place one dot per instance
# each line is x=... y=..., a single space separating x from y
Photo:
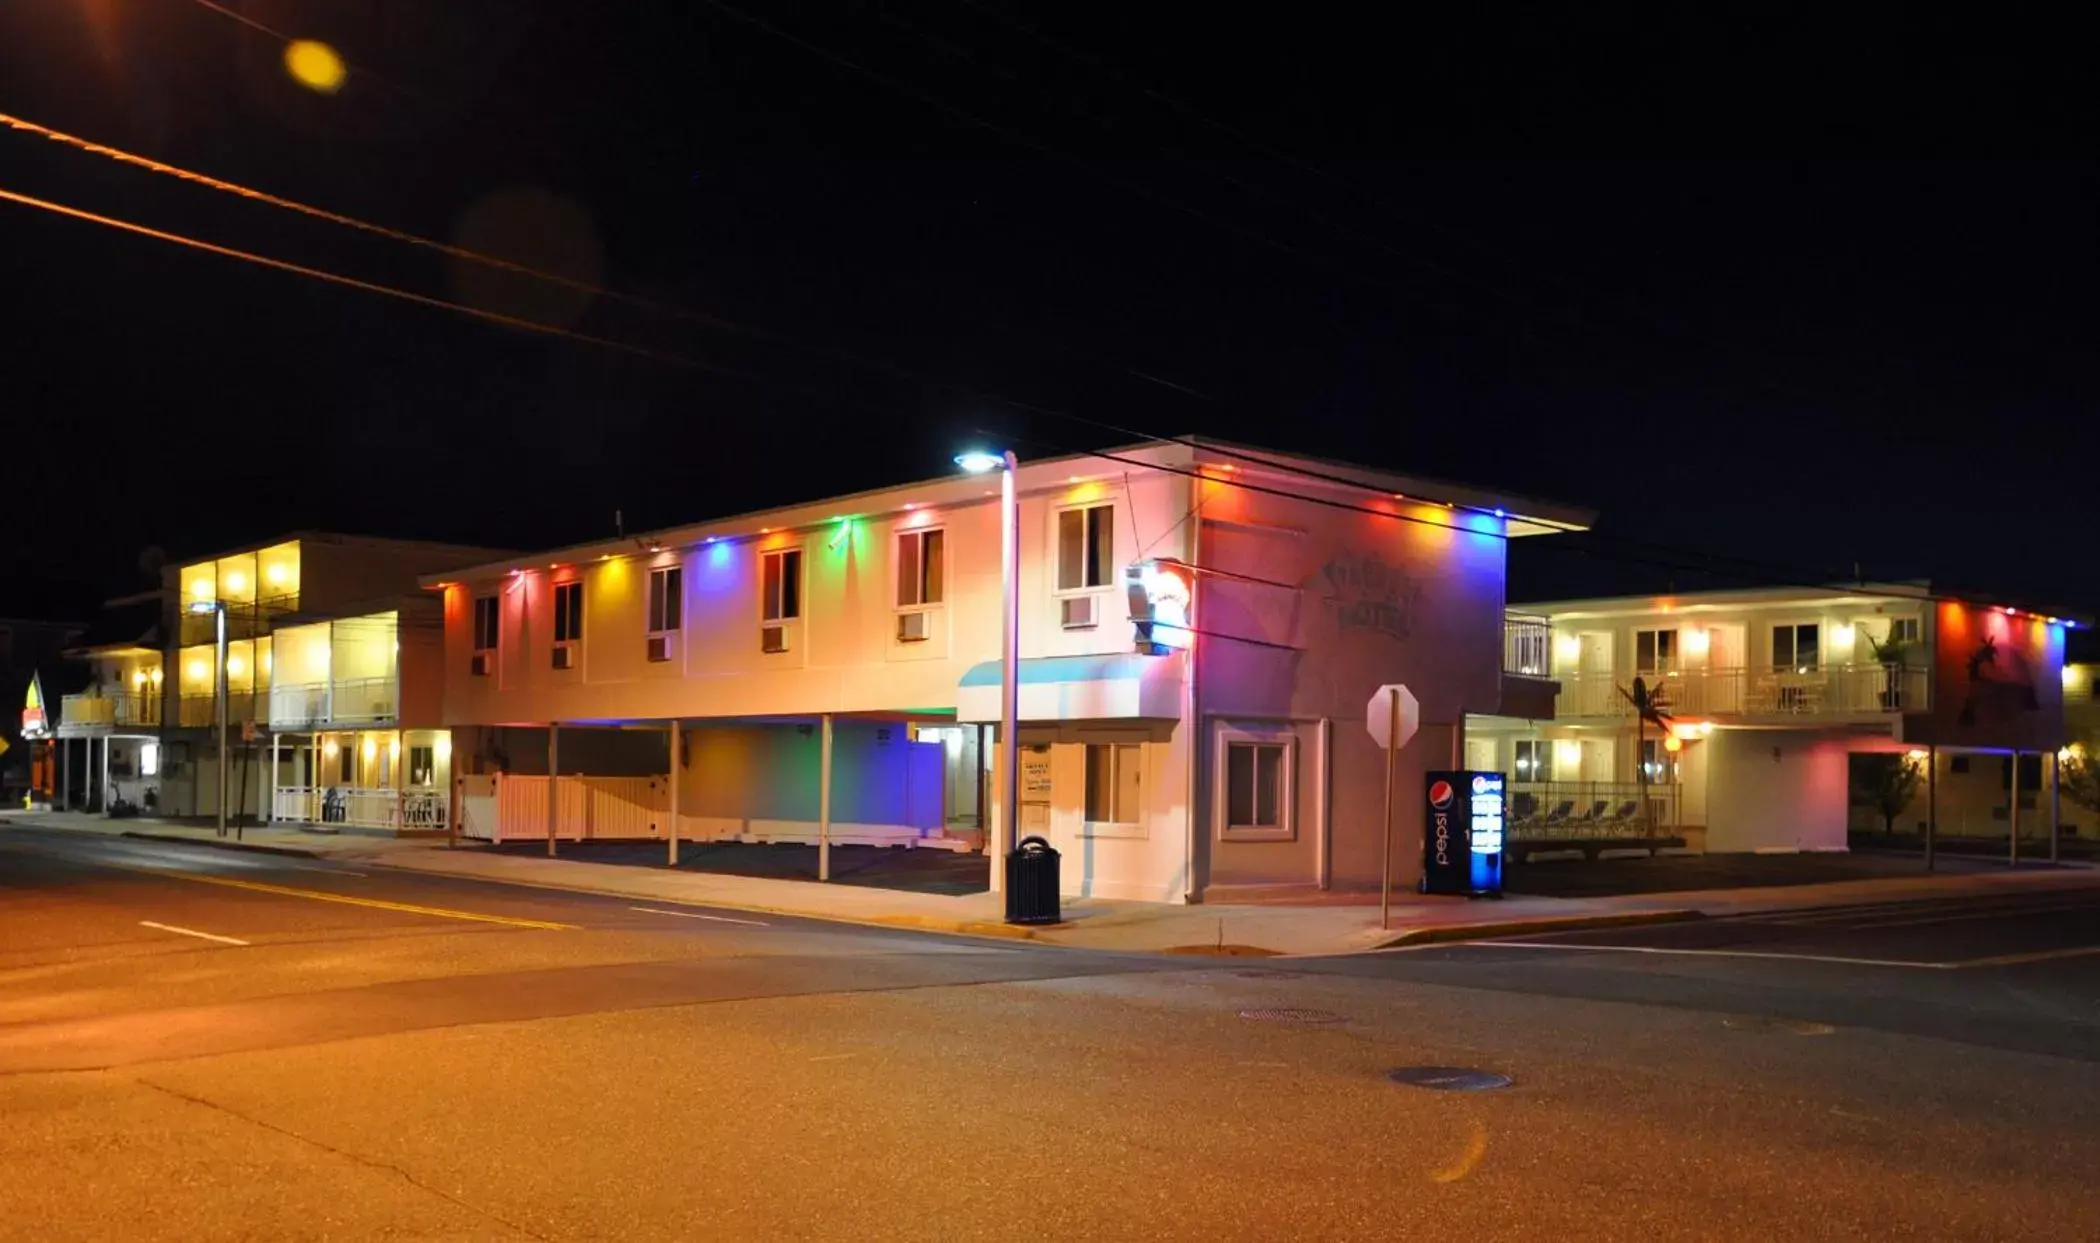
x=1378 y=716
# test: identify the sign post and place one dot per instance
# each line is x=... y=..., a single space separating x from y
x=1392 y=716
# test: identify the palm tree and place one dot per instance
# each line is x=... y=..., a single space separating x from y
x=1889 y=653
x=1647 y=707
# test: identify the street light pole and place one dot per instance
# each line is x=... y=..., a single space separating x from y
x=1010 y=640
x=1010 y=658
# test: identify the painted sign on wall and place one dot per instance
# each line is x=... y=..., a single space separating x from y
x=1364 y=593
x=1997 y=681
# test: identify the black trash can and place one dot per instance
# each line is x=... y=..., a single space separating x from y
x=1031 y=884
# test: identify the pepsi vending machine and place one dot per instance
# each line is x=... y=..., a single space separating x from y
x=1462 y=834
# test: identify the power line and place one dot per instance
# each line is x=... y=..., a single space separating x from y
x=338 y=218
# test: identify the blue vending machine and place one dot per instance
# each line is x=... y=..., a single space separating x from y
x=1462 y=832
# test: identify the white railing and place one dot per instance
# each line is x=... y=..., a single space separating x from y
x=358 y=701
x=198 y=710
x=361 y=807
x=1549 y=810
x=367 y=700
x=1833 y=690
x=118 y=709
x=1527 y=645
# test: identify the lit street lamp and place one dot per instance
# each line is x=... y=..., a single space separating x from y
x=977 y=463
x=218 y=609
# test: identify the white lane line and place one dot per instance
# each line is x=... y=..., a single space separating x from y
x=1691 y=953
x=717 y=919
x=192 y=932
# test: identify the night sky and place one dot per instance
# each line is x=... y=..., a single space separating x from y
x=1772 y=288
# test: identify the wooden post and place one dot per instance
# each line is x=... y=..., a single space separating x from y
x=824 y=806
x=2056 y=803
x=675 y=767
x=1932 y=801
x=2012 y=853
x=553 y=782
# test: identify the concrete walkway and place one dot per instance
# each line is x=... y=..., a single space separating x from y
x=1335 y=924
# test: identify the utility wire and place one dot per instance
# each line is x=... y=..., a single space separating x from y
x=222 y=185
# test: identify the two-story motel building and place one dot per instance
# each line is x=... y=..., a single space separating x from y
x=1771 y=695
x=851 y=646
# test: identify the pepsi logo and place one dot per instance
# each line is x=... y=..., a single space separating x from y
x=1440 y=794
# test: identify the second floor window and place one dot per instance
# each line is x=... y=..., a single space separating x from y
x=921 y=567
x=568 y=612
x=1085 y=546
x=780 y=585
x=487 y=623
x=666 y=599
x=1654 y=651
x=1797 y=647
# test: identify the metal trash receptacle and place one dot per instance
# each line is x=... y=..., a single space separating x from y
x=1031 y=883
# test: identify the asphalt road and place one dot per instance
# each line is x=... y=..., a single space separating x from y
x=199 y=1044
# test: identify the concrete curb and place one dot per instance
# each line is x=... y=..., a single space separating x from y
x=1492 y=929
x=899 y=923
x=215 y=844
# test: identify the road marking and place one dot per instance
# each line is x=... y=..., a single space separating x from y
x=379 y=904
x=192 y=932
x=2013 y=960
x=719 y=919
x=1691 y=953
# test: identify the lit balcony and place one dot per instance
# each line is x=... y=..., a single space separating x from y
x=1784 y=693
x=95 y=715
x=198 y=711
x=345 y=701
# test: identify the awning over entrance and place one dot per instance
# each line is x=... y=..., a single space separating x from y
x=1079 y=688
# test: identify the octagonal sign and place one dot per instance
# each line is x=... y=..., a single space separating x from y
x=1378 y=716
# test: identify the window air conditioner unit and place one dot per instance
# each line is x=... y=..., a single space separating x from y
x=484 y=662
x=659 y=647
x=773 y=639
x=913 y=627
x=565 y=656
x=1078 y=612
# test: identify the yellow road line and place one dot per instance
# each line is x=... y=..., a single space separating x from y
x=379 y=904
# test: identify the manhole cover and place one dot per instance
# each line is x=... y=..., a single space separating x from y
x=1289 y=1014
x=1761 y=1023
x=1448 y=1078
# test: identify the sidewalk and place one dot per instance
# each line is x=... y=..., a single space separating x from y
x=1335 y=925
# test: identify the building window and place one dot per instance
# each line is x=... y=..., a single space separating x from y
x=568 y=612
x=666 y=599
x=149 y=759
x=1904 y=630
x=921 y=567
x=487 y=615
x=1654 y=652
x=780 y=585
x=1658 y=765
x=1257 y=789
x=1534 y=760
x=1114 y=772
x=1796 y=647
x=422 y=766
x=1085 y=547
x=346 y=764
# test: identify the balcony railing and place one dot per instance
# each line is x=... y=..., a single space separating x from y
x=110 y=710
x=376 y=807
x=1527 y=645
x=244 y=619
x=1546 y=811
x=1833 y=690
x=346 y=701
x=198 y=710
